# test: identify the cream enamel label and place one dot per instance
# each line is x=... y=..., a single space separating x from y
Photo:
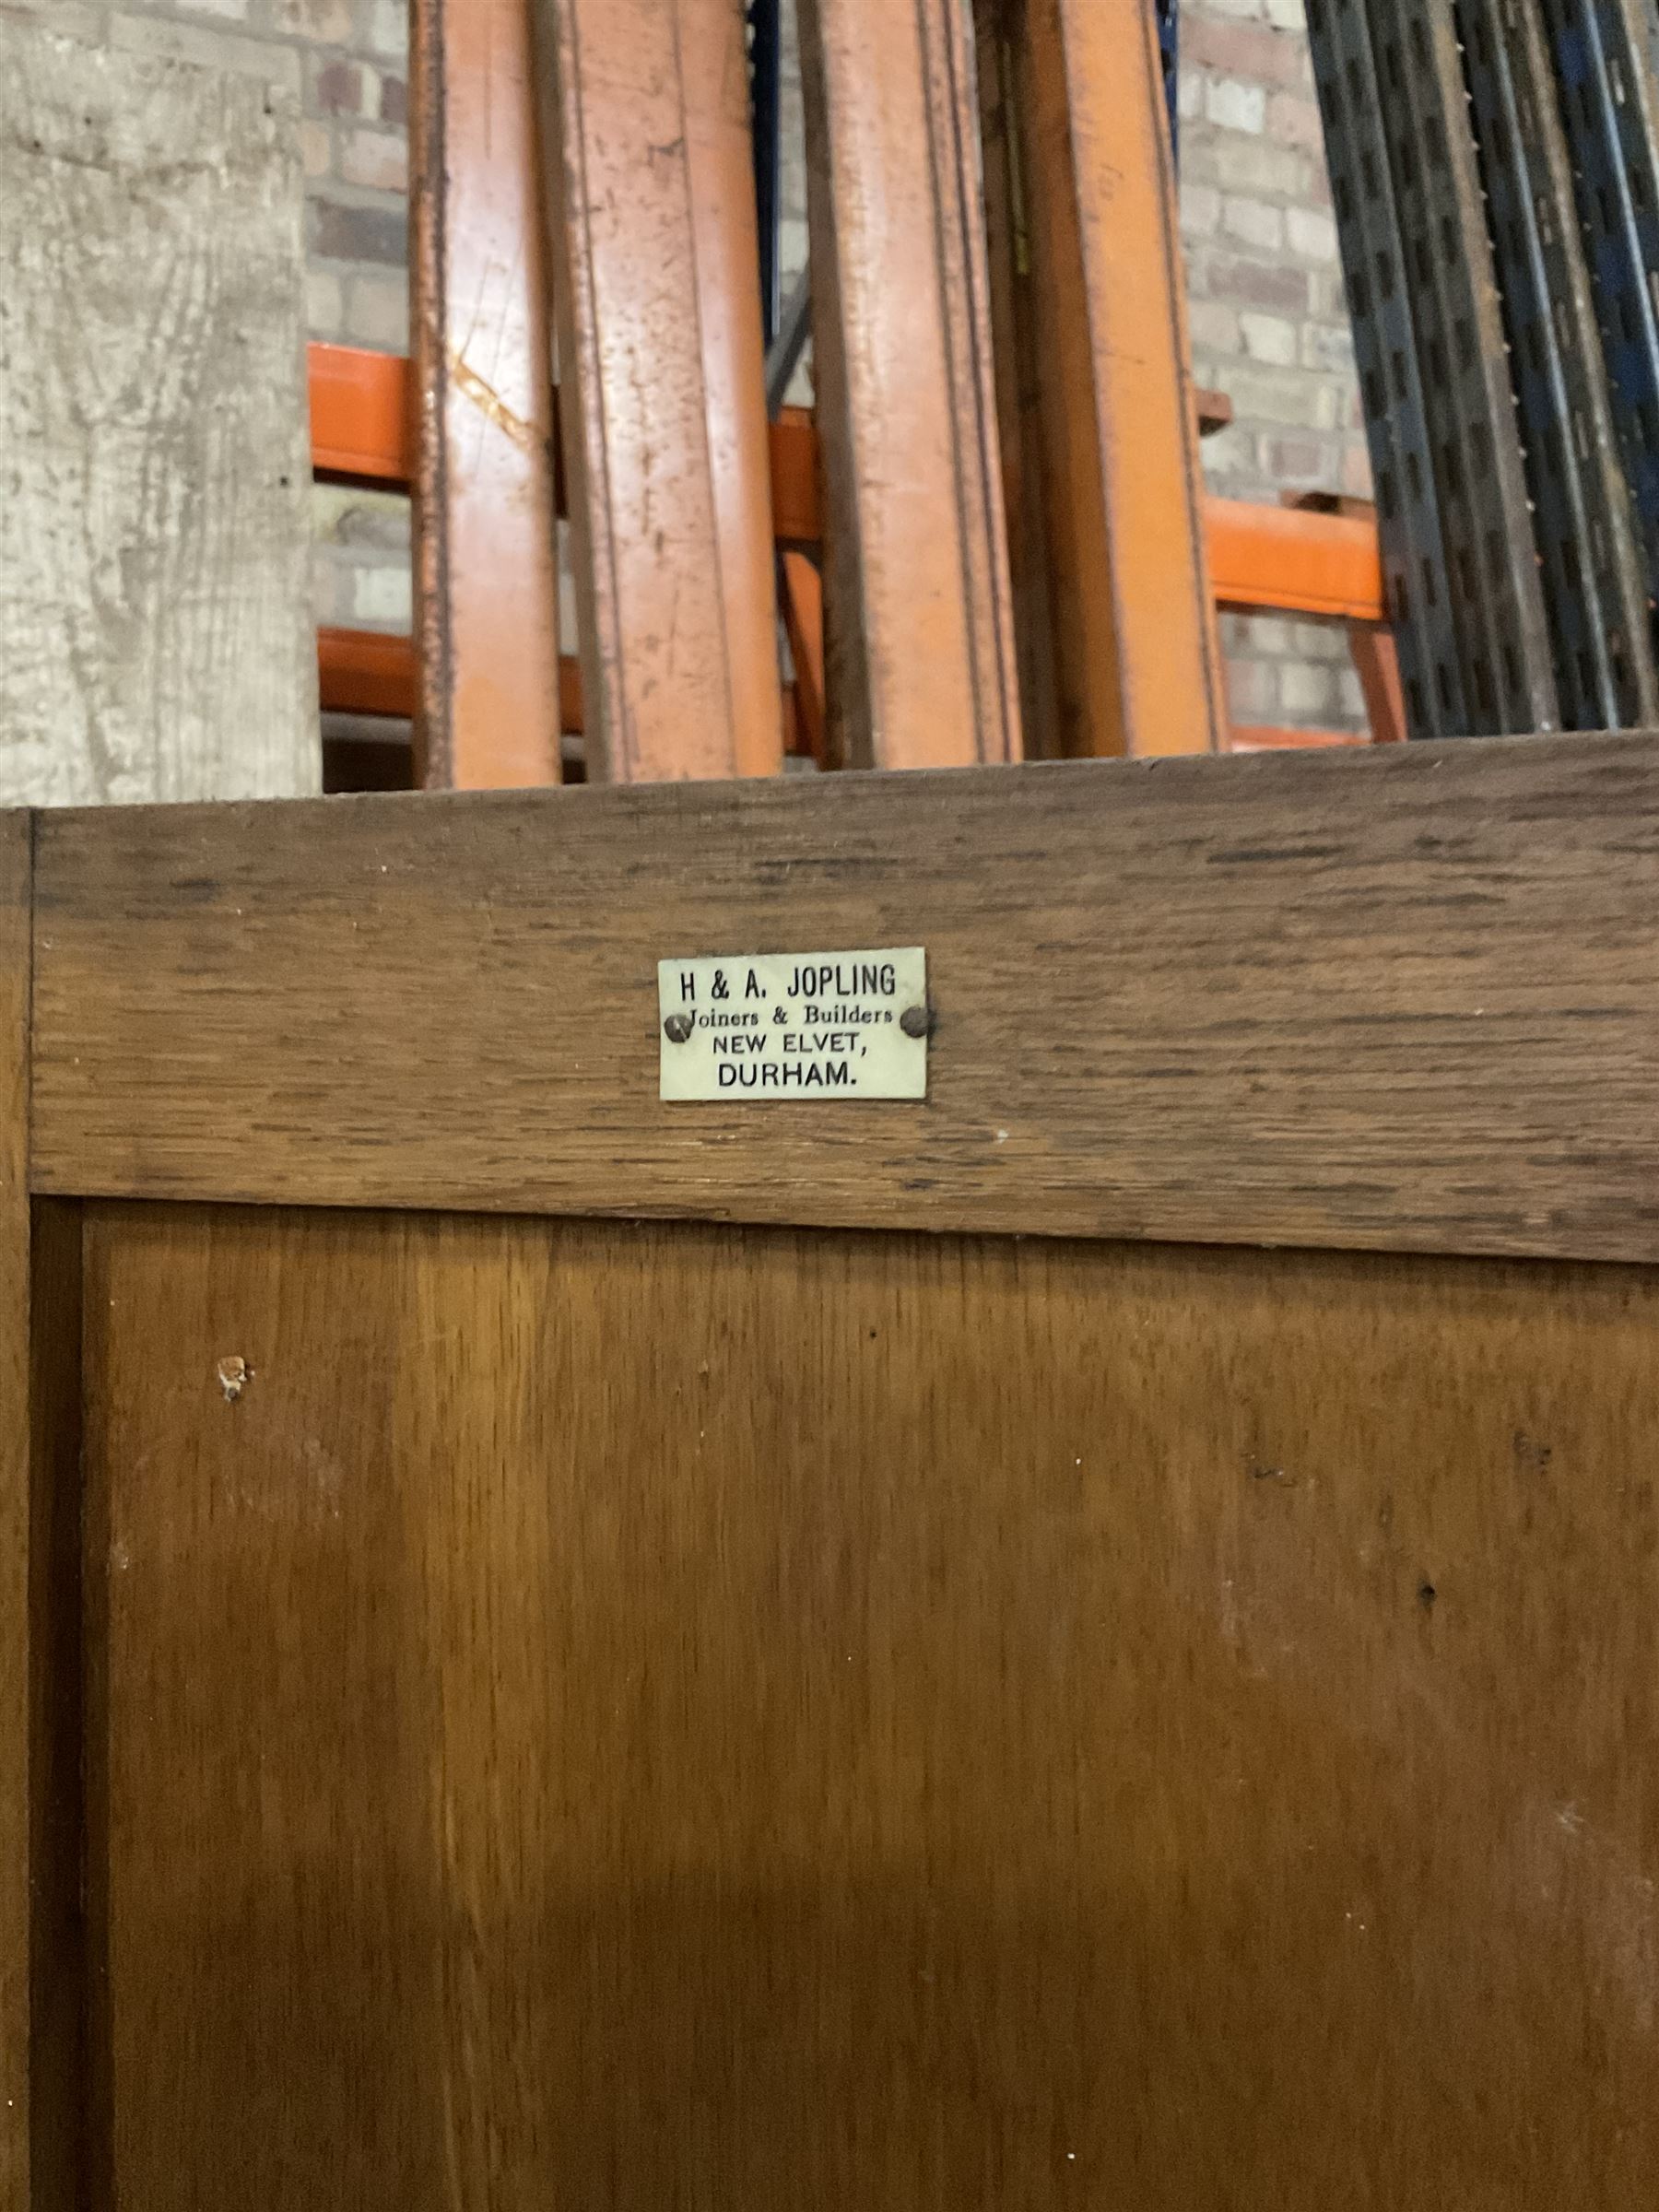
x=795 y=1025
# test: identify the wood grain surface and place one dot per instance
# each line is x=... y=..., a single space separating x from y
x=65 y=2071
x=1407 y=998
x=155 y=572
x=635 y=1716
x=15 y=862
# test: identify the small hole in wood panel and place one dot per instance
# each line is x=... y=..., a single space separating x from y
x=1360 y=293
x=1425 y=261
x=1413 y=475
x=1396 y=371
x=1399 y=602
x=1368 y=171
x=1414 y=695
x=1430 y=594
x=1356 y=85
x=1434 y=138
x=1449 y=240
x=1385 y=493
x=1498 y=139
x=1483 y=687
x=1464 y=337
x=1385 y=275
x=1533 y=345
x=1391 y=67
x=1639 y=192
x=1604 y=207
x=1376 y=399
x=1587 y=675
x=1477 y=40
x=1494 y=553
x=1511 y=668
x=1420 y=42
x=1341 y=198
x=1626 y=319
x=1451 y=470
x=1443 y=684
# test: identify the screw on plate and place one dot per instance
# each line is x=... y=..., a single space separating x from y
x=916 y=1021
x=678 y=1028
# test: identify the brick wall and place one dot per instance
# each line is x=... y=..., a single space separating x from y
x=1267 y=321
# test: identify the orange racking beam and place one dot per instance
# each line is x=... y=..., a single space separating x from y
x=1294 y=561
x=361 y=415
x=1286 y=560
x=485 y=540
x=802 y=608
x=651 y=220
x=374 y=672
x=370 y=672
x=919 y=630
x=1282 y=558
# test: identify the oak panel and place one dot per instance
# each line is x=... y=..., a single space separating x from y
x=1407 y=998
x=14 y=1511
x=681 y=1715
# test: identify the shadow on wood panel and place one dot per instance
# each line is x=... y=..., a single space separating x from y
x=643 y=1717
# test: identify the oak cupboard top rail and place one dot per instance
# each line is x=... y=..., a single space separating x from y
x=1406 y=1000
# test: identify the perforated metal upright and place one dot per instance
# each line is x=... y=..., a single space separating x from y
x=765 y=58
x=1495 y=170
x=1595 y=589
x=1385 y=344
x=1168 y=13
x=1606 y=64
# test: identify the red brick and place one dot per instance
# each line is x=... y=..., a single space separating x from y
x=342 y=232
x=338 y=90
x=1293 y=121
x=378 y=159
x=1252 y=691
x=1301 y=462
x=1268 y=284
x=1357 y=472
x=1248 y=50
